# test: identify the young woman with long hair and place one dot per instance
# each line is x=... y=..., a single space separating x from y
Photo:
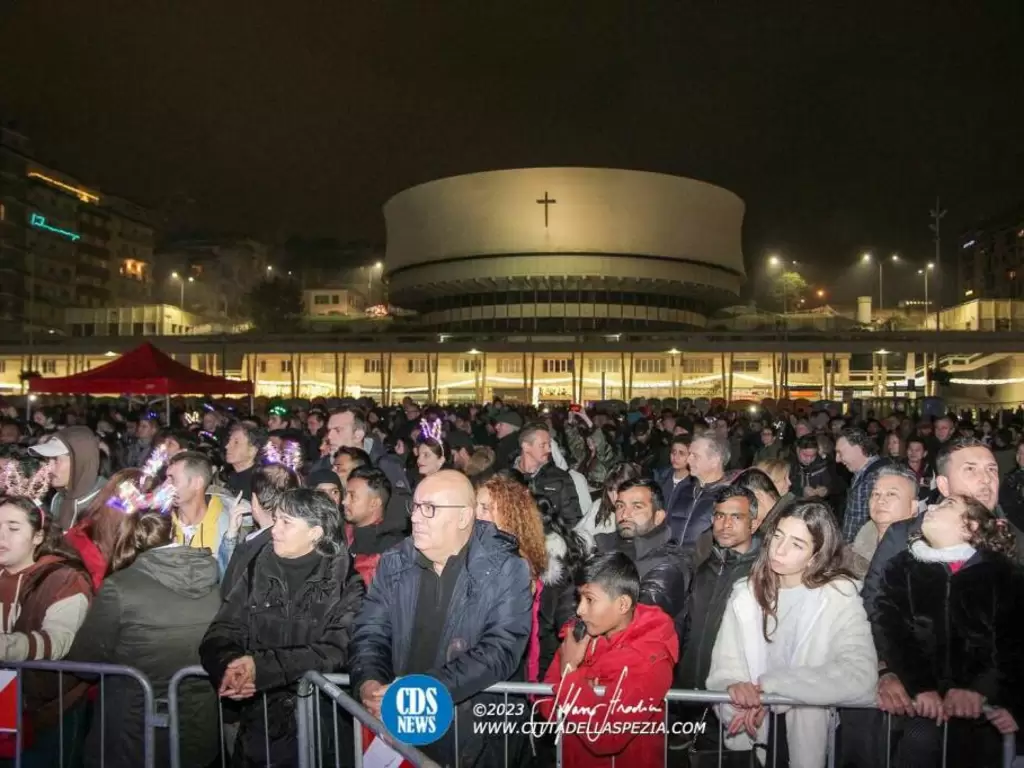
x=948 y=620
x=796 y=628
x=151 y=614
x=44 y=597
x=552 y=552
x=95 y=532
x=601 y=516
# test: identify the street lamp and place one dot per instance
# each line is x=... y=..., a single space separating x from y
x=378 y=266
x=928 y=268
x=821 y=293
x=182 y=280
x=867 y=258
x=776 y=261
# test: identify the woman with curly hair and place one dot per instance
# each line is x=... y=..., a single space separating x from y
x=551 y=551
x=948 y=619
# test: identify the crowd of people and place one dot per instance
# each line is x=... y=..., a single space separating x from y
x=869 y=565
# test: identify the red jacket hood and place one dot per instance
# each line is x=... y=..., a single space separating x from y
x=651 y=636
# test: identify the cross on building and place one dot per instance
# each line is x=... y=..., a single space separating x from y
x=547 y=202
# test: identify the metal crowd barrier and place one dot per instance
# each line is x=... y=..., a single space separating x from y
x=308 y=717
x=310 y=723
x=87 y=672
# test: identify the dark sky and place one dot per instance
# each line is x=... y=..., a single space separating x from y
x=838 y=123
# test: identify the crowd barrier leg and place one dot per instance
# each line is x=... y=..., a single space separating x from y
x=311 y=723
x=86 y=672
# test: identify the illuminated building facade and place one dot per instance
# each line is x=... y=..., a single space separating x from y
x=990 y=260
x=555 y=249
x=64 y=244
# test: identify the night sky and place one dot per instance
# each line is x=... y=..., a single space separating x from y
x=837 y=127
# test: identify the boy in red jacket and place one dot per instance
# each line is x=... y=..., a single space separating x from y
x=630 y=650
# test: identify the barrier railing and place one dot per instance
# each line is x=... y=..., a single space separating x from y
x=87 y=673
x=310 y=723
x=310 y=730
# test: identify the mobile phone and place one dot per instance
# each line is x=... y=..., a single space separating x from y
x=579 y=629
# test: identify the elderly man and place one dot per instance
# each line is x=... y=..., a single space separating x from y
x=859 y=452
x=452 y=601
x=893 y=498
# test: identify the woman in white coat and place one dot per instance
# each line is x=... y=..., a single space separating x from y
x=795 y=628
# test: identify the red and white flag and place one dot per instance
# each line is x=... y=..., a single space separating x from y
x=377 y=753
x=8 y=700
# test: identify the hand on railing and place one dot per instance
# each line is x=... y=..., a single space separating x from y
x=1002 y=720
x=893 y=697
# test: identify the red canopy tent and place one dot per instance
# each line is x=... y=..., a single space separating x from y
x=143 y=371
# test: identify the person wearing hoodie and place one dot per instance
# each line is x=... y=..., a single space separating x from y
x=74 y=453
x=44 y=597
x=630 y=650
x=373 y=525
x=150 y=614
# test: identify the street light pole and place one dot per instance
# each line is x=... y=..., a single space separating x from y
x=879 y=285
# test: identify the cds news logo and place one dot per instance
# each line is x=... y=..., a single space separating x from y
x=417 y=709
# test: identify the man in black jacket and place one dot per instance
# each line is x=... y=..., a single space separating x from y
x=694 y=502
x=643 y=534
x=735 y=548
x=545 y=479
x=506 y=426
x=816 y=476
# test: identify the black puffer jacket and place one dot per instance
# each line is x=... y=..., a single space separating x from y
x=820 y=473
x=556 y=486
x=709 y=596
x=152 y=616
x=944 y=630
x=693 y=506
x=286 y=635
x=665 y=569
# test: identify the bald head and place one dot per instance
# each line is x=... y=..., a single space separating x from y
x=443 y=515
x=455 y=485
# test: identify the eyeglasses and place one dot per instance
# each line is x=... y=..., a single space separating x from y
x=428 y=509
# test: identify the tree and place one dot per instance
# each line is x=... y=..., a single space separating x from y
x=786 y=289
x=275 y=306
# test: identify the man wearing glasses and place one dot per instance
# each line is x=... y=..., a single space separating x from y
x=452 y=601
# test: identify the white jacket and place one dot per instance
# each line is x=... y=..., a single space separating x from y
x=835 y=664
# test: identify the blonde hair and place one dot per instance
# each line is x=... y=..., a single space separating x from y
x=774 y=468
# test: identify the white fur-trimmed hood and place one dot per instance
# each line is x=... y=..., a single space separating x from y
x=557 y=549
